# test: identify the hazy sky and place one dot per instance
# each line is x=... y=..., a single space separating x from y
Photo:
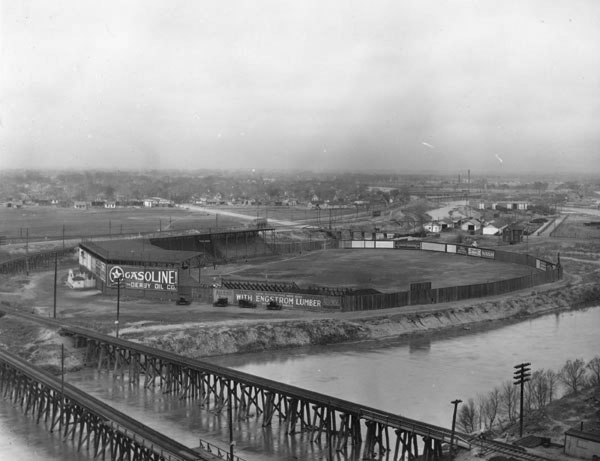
x=400 y=84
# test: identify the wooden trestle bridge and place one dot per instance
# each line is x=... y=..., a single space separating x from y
x=87 y=422
x=342 y=423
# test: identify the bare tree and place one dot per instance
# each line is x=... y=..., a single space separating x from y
x=572 y=374
x=539 y=389
x=467 y=416
x=510 y=400
x=551 y=381
x=490 y=408
x=594 y=367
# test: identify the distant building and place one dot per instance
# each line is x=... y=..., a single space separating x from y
x=157 y=202
x=433 y=226
x=490 y=229
x=470 y=225
x=513 y=233
x=80 y=205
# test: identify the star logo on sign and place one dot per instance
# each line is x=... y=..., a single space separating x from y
x=115 y=274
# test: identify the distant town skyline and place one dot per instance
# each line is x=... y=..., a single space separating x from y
x=418 y=85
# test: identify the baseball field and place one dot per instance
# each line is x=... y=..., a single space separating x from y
x=383 y=270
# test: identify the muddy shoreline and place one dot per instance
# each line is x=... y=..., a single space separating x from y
x=205 y=340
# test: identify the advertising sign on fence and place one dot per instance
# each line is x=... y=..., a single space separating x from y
x=141 y=278
x=541 y=265
x=489 y=254
x=290 y=300
x=450 y=248
x=408 y=244
x=461 y=250
x=433 y=246
x=471 y=251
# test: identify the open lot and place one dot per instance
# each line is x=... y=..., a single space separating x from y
x=383 y=270
x=48 y=222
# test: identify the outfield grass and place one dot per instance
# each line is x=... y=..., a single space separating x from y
x=383 y=270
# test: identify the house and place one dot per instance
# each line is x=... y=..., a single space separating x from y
x=470 y=225
x=490 y=229
x=583 y=441
x=110 y=204
x=80 y=205
x=433 y=226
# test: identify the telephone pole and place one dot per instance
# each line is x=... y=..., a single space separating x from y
x=455 y=403
x=521 y=376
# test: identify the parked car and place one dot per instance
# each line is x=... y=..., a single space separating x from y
x=274 y=306
x=221 y=302
x=183 y=301
x=246 y=303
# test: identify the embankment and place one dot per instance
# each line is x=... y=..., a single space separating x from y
x=202 y=340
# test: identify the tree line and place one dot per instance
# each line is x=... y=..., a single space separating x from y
x=500 y=407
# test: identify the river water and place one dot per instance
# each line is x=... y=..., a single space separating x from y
x=417 y=378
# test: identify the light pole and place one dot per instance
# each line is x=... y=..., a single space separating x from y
x=455 y=403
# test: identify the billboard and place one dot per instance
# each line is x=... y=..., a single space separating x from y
x=142 y=278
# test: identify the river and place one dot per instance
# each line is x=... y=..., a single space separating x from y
x=417 y=378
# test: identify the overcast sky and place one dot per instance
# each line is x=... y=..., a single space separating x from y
x=489 y=85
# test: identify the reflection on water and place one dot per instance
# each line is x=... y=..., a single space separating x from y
x=416 y=377
x=419 y=345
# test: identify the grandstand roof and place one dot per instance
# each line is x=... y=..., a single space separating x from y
x=136 y=251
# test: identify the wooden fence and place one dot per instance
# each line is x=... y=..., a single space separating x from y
x=35 y=261
x=544 y=272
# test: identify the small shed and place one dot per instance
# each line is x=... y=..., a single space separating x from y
x=433 y=226
x=583 y=441
x=513 y=233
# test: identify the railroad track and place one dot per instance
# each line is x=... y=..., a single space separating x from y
x=514 y=451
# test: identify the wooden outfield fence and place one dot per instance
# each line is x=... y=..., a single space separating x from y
x=542 y=272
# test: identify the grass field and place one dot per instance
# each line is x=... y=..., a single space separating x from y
x=573 y=227
x=48 y=222
x=383 y=270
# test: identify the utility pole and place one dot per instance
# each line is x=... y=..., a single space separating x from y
x=455 y=403
x=521 y=376
x=118 y=304
x=55 y=281
x=27 y=252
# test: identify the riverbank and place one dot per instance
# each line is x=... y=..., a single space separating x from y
x=204 y=339
x=204 y=331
